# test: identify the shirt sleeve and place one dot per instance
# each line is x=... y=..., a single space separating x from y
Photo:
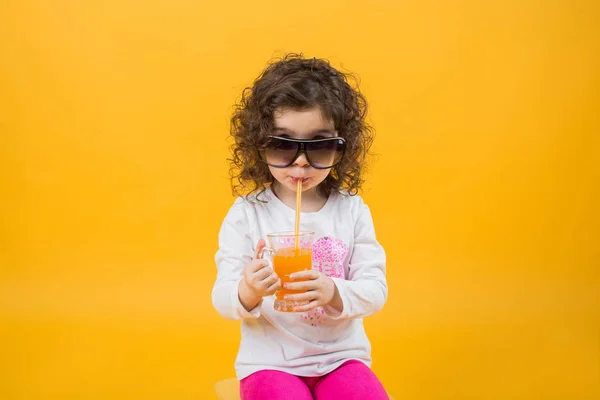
x=365 y=291
x=235 y=251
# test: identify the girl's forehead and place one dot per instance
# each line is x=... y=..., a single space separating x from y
x=302 y=122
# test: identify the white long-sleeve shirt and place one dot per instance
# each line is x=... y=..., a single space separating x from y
x=313 y=343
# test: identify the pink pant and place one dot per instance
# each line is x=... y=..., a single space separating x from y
x=351 y=380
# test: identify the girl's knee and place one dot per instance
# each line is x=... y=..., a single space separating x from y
x=352 y=380
x=270 y=384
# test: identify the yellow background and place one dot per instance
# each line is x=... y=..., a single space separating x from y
x=114 y=123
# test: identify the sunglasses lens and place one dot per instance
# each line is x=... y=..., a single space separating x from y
x=282 y=152
x=279 y=152
x=325 y=153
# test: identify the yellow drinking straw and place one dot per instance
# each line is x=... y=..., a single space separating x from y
x=298 y=206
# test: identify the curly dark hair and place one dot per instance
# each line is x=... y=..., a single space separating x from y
x=299 y=83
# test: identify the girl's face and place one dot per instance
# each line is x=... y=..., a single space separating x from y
x=307 y=124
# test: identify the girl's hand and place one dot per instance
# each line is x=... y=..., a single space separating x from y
x=320 y=289
x=259 y=280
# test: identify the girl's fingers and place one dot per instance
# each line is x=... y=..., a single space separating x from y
x=305 y=275
x=261 y=243
x=304 y=285
x=307 y=296
x=262 y=274
x=307 y=307
x=274 y=287
x=256 y=265
x=269 y=279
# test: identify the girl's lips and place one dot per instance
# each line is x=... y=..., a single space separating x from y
x=295 y=180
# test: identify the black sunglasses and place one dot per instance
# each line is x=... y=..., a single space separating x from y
x=281 y=152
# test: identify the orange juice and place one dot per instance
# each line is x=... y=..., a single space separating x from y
x=285 y=262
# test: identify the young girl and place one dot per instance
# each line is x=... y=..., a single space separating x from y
x=301 y=120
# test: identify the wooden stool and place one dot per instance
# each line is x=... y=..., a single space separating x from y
x=229 y=389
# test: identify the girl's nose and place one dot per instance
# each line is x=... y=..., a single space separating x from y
x=301 y=160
